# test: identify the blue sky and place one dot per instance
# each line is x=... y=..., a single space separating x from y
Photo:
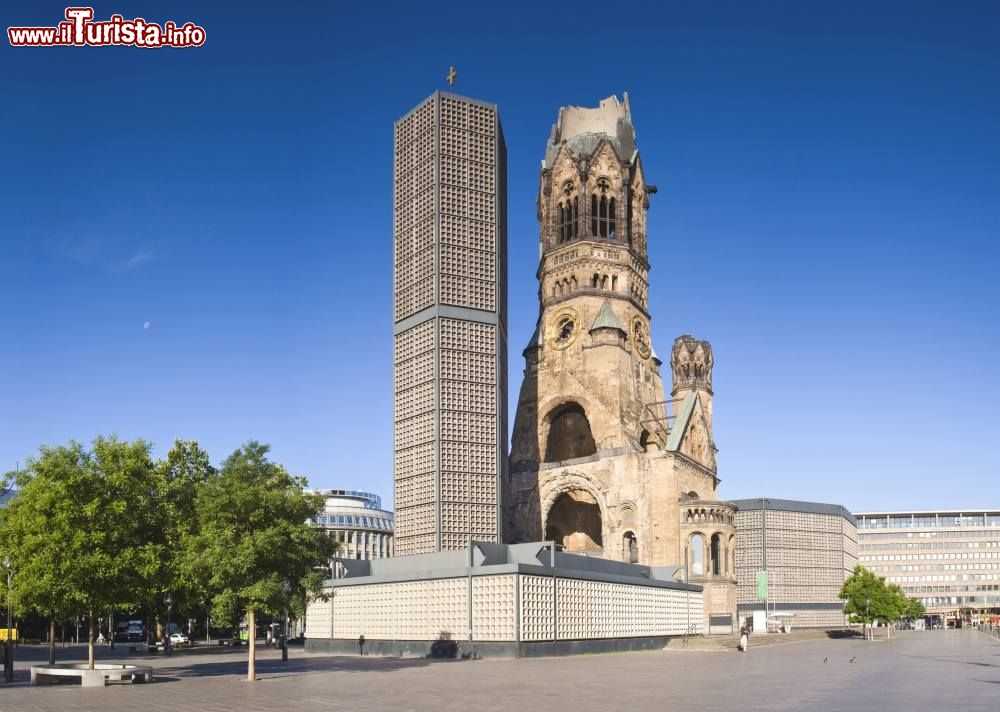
x=828 y=217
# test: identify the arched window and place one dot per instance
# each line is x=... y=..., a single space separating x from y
x=602 y=210
x=630 y=548
x=567 y=219
x=569 y=434
x=716 y=555
x=697 y=555
x=574 y=522
x=595 y=281
x=604 y=282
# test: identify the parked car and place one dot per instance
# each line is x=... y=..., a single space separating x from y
x=179 y=639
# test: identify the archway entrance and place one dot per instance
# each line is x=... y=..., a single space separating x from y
x=575 y=522
x=569 y=434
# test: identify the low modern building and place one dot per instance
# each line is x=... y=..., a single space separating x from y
x=356 y=519
x=949 y=559
x=807 y=549
x=496 y=600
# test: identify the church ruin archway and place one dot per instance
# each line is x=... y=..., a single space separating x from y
x=574 y=522
x=569 y=436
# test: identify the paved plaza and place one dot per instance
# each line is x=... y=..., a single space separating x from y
x=932 y=670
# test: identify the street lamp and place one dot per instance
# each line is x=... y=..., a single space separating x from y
x=8 y=658
x=867 y=622
x=284 y=636
x=169 y=600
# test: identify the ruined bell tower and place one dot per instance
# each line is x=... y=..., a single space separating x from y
x=601 y=461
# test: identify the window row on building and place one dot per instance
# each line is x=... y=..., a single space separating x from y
x=925 y=520
x=966 y=534
x=923 y=545
x=352 y=520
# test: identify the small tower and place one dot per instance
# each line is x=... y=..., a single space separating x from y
x=691 y=368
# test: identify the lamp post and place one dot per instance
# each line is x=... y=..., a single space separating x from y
x=763 y=536
x=169 y=600
x=867 y=622
x=284 y=634
x=8 y=658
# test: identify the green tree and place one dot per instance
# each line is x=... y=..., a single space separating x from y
x=915 y=609
x=82 y=533
x=252 y=548
x=185 y=467
x=862 y=593
x=891 y=604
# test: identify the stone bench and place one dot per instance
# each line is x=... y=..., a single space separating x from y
x=98 y=677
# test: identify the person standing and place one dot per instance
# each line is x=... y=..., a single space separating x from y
x=744 y=638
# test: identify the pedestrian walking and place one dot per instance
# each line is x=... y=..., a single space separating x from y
x=744 y=638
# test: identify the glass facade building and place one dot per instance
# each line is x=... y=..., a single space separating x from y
x=949 y=559
x=356 y=519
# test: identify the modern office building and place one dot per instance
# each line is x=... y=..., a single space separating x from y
x=949 y=559
x=357 y=520
x=450 y=324
x=807 y=549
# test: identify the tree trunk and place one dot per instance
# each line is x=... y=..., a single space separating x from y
x=52 y=641
x=90 y=640
x=252 y=644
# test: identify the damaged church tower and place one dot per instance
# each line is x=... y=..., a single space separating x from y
x=601 y=461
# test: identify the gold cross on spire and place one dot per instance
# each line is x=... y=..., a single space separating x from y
x=451 y=76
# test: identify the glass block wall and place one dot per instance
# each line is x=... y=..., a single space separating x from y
x=450 y=330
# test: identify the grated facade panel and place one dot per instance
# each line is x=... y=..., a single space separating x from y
x=449 y=288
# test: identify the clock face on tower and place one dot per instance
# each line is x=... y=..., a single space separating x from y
x=640 y=337
x=563 y=329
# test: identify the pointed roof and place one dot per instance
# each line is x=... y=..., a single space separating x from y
x=681 y=423
x=606 y=318
x=536 y=338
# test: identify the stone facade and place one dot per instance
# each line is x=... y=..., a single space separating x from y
x=601 y=461
x=450 y=324
x=811 y=548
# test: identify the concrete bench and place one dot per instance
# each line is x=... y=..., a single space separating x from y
x=98 y=677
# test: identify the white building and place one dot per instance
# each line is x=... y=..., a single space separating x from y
x=356 y=519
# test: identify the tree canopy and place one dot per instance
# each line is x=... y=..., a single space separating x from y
x=252 y=548
x=868 y=598
x=105 y=529
x=82 y=533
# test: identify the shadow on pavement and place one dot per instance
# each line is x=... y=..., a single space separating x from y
x=949 y=660
x=294 y=667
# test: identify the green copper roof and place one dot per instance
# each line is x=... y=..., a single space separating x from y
x=681 y=422
x=535 y=340
x=606 y=318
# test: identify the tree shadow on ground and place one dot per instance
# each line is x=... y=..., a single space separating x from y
x=294 y=667
x=949 y=660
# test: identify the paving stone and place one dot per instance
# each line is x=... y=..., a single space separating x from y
x=932 y=670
